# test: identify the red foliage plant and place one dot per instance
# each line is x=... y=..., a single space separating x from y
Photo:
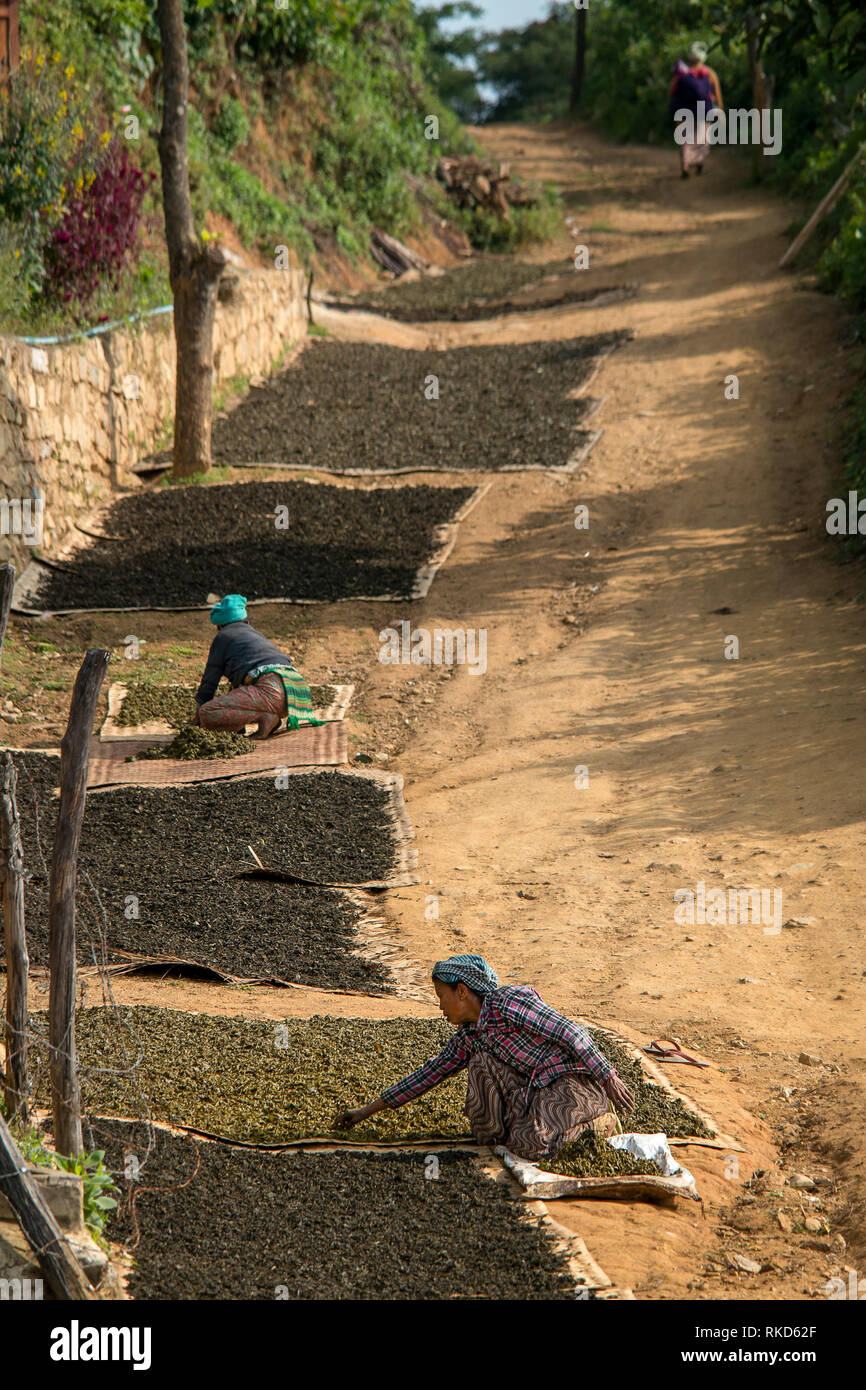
x=97 y=234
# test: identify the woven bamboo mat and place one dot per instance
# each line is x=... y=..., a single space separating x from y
x=325 y=746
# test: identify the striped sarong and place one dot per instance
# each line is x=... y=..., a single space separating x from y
x=299 y=702
x=532 y=1122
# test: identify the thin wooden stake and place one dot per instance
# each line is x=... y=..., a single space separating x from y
x=7 y=584
x=15 y=1086
x=827 y=202
x=74 y=760
x=63 y=1273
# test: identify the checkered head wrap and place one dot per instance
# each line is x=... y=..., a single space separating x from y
x=473 y=971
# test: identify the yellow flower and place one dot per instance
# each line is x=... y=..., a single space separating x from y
x=78 y=130
x=63 y=96
x=105 y=137
x=69 y=71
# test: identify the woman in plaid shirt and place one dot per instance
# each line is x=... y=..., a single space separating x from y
x=535 y=1080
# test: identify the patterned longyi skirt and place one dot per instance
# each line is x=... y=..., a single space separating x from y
x=530 y=1121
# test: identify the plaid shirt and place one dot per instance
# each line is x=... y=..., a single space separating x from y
x=516 y=1026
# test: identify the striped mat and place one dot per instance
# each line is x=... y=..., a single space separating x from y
x=325 y=746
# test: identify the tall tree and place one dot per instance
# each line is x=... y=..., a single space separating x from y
x=195 y=266
x=579 y=53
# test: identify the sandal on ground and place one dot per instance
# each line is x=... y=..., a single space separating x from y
x=671 y=1054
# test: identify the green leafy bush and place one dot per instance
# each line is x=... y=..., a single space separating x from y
x=98 y=1183
x=230 y=126
x=489 y=232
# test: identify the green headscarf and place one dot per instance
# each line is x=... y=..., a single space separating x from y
x=230 y=609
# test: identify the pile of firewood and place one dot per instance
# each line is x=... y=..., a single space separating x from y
x=472 y=182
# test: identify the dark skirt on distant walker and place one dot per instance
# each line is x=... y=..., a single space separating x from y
x=532 y=1122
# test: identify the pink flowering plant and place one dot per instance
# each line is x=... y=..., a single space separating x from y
x=95 y=239
x=70 y=199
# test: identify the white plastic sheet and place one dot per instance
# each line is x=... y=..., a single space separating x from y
x=654 y=1148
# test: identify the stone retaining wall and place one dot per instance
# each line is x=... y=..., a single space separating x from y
x=75 y=417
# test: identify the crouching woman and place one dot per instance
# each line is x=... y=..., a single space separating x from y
x=535 y=1080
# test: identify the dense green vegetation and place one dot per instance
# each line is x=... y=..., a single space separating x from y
x=305 y=121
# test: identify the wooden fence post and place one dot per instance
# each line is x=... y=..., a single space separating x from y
x=74 y=760
x=63 y=1274
x=15 y=1087
x=7 y=584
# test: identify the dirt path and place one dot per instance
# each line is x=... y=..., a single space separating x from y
x=735 y=773
x=606 y=650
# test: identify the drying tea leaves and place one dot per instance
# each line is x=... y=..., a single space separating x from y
x=591 y=1157
x=363 y=406
x=266 y=1082
x=38 y=782
x=182 y=543
x=194 y=744
x=247 y=929
x=656 y=1110
x=479 y=290
x=323 y=695
x=145 y=702
x=338 y=1226
x=328 y=827
x=178 y=852
x=462 y=287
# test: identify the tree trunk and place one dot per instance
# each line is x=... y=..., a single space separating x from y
x=15 y=1087
x=194 y=266
x=762 y=90
x=63 y=1274
x=579 y=57
x=7 y=584
x=74 y=759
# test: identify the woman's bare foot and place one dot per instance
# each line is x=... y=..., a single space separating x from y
x=266 y=726
x=605 y=1125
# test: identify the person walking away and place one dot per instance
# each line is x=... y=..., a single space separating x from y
x=535 y=1080
x=696 y=89
x=265 y=685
